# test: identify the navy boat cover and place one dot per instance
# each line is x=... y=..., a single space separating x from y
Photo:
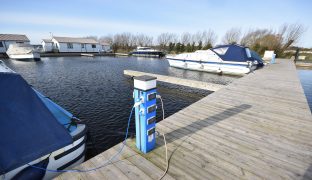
x=28 y=130
x=234 y=52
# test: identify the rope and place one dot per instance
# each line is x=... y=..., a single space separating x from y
x=167 y=162
x=92 y=169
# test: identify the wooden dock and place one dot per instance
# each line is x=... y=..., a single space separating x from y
x=179 y=81
x=258 y=127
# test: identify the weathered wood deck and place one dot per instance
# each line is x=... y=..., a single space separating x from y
x=258 y=127
x=179 y=81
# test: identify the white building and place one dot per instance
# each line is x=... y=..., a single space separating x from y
x=47 y=45
x=70 y=44
x=106 y=47
x=7 y=39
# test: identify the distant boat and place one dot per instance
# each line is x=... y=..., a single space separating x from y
x=147 y=52
x=227 y=59
x=23 y=52
x=35 y=131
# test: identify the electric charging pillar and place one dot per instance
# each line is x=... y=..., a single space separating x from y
x=145 y=113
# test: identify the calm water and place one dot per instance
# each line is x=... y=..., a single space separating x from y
x=95 y=90
x=306 y=82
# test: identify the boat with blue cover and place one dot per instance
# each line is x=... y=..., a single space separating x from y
x=227 y=59
x=37 y=134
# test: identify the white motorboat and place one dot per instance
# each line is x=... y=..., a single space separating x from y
x=39 y=138
x=23 y=52
x=226 y=59
x=147 y=52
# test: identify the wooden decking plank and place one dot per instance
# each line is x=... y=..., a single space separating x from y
x=276 y=111
x=273 y=127
x=204 y=155
x=254 y=147
x=140 y=162
x=245 y=158
x=284 y=121
x=261 y=112
x=273 y=156
x=233 y=157
x=255 y=136
x=180 y=81
x=159 y=161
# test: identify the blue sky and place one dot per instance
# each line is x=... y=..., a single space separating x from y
x=37 y=18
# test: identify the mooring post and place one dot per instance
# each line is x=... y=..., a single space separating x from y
x=145 y=112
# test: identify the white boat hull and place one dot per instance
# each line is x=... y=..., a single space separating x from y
x=64 y=158
x=30 y=56
x=233 y=68
x=22 y=52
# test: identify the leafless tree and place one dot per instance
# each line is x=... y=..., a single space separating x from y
x=106 y=39
x=164 y=39
x=279 y=41
x=292 y=34
x=92 y=37
x=144 y=40
x=252 y=37
x=198 y=37
x=232 y=36
x=185 y=38
x=209 y=37
x=133 y=41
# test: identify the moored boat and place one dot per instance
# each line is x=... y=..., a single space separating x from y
x=37 y=134
x=23 y=52
x=227 y=59
x=147 y=52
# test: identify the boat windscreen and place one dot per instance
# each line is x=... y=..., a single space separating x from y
x=256 y=56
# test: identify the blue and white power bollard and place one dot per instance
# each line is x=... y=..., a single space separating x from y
x=145 y=113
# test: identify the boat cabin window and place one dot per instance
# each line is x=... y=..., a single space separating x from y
x=1 y=44
x=221 y=51
x=93 y=46
x=82 y=46
x=248 y=52
x=70 y=45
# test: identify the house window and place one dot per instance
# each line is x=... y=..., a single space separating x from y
x=82 y=46
x=1 y=45
x=93 y=46
x=70 y=45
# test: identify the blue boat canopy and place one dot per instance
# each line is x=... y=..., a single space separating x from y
x=28 y=130
x=234 y=52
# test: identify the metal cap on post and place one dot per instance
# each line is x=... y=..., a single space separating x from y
x=144 y=82
x=145 y=113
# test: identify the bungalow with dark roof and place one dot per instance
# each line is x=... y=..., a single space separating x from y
x=7 y=39
x=71 y=44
